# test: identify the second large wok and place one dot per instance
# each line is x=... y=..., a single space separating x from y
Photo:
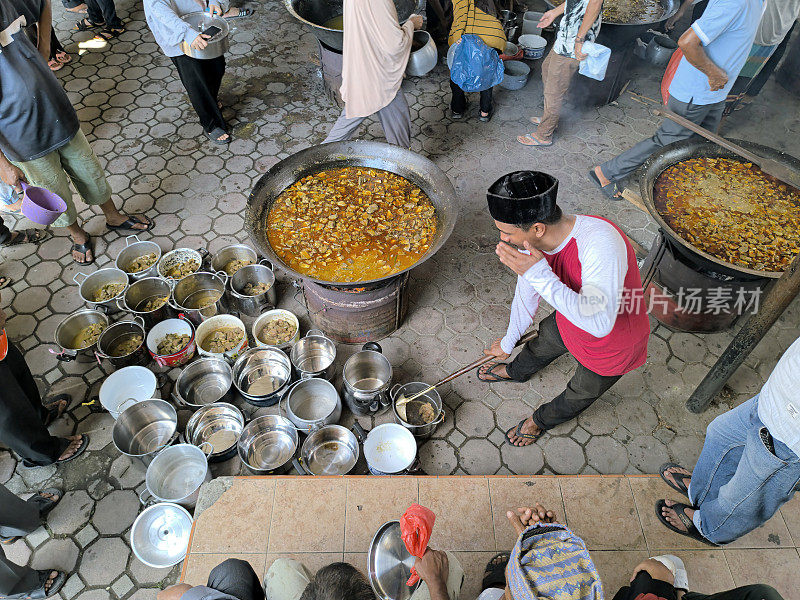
x=358 y=153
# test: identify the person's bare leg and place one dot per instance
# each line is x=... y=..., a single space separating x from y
x=79 y=236
x=173 y=592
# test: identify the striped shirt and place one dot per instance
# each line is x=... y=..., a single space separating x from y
x=486 y=27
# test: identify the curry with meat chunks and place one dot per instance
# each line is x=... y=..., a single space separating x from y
x=277 y=331
x=351 y=224
x=628 y=11
x=88 y=336
x=237 y=264
x=173 y=343
x=141 y=263
x=109 y=291
x=222 y=339
x=732 y=210
x=182 y=269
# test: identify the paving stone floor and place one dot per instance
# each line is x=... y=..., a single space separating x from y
x=136 y=115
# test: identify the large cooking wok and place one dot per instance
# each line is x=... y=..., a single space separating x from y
x=313 y=13
x=699 y=148
x=417 y=169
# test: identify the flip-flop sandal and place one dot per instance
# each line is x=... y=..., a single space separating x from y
x=81 y=449
x=27 y=236
x=486 y=118
x=84 y=249
x=679 y=478
x=525 y=436
x=86 y=25
x=216 y=133
x=610 y=190
x=536 y=120
x=5 y=282
x=54 y=64
x=44 y=505
x=495 y=573
x=43 y=591
x=109 y=34
x=63 y=57
x=243 y=12
x=457 y=116
x=529 y=140
x=484 y=375
x=680 y=509
x=129 y=225
x=56 y=407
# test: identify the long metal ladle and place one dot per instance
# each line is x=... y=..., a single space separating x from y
x=403 y=400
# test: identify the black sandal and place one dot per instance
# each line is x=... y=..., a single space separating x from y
x=27 y=236
x=216 y=133
x=80 y=450
x=43 y=591
x=5 y=281
x=84 y=249
x=44 y=505
x=130 y=225
x=86 y=25
x=489 y=371
x=56 y=407
x=678 y=485
x=525 y=436
x=610 y=190
x=494 y=576
x=243 y=13
x=680 y=511
x=109 y=34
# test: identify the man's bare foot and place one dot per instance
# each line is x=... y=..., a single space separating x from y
x=81 y=8
x=604 y=181
x=669 y=475
x=141 y=222
x=79 y=257
x=672 y=516
x=530 y=428
x=51 y=579
x=75 y=442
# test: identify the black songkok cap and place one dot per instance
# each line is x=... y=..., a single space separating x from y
x=522 y=197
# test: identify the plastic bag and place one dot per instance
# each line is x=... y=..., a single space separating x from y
x=669 y=74
x=416 y=526
x=476 y=67
x=596 y=63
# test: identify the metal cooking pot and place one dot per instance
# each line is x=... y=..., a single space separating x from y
x=261 y=321
x=658 y=50
x=205 y=381
x=132 y=251
x=145 y=428
x=409 y=389
x=210 y=325
x=695 y=147
x=217 y=45
x=177 y=256
x=225 y=255
x=268 y=444
x=142 y=291
x=117 y=334
x=175 y=475
x=262 y=375
x=69 y=328
x=329 y=450
x=422 y=60
x=313 y=355
x=200 y=295
x=216 y=427
x=89 y=285
x=253 y=306
x=127 y=386
x=312 y=403
x=389 y=449
x=354 y=153
x=367 y=376
x=157 y=333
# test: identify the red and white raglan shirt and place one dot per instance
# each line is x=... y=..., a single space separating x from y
x=592 y=280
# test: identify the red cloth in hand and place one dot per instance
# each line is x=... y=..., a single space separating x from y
x=669 y=74
x=416 y=526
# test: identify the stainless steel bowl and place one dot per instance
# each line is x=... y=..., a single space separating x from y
x=261 y=375
x=217 y=45
x=330 y=450
x=313 y=355
x=216 y=428
x=144 y=428
x=203 y=382
x=132 y=251
x=89 y=285
x=268 y=444
x=160 y=535
x=389 y=564
x=230 y=253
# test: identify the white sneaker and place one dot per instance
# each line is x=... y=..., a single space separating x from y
x=678 y=569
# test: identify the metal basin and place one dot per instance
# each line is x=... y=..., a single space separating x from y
x=389 y=564
x=160 y=535
x=217 y=45
x=145 y=428
x=355 y=153
x=216 y=429
x=203 y=382
x=331 y=450
x=261 y=375
x=134 y=248
x=268 y=444
x=313 y=14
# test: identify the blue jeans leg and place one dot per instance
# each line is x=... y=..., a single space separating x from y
x=725 y=439
x=762 y=483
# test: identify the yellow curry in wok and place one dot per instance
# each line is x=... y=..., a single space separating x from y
x=351 y=224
